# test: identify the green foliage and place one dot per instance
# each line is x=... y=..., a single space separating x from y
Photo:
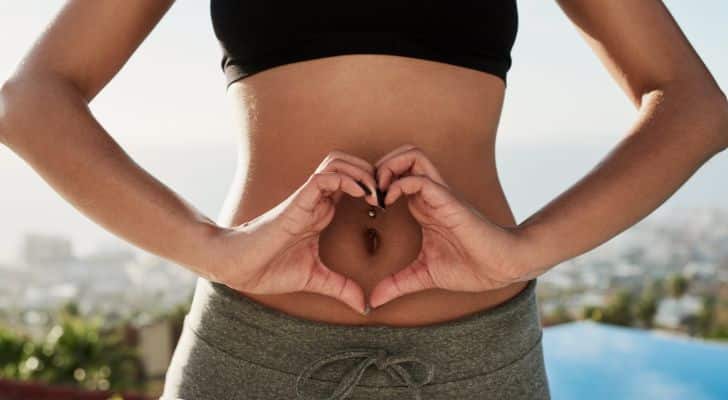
x=704 y=321
x=75 y=352
x=11 y=352
x=676 y=285
x=646 y=307
x=719 y=333
x=617 y=311
x=71 y=309
x=625 y=309
x=559 y=316
x=706 y=324
x=593 y=313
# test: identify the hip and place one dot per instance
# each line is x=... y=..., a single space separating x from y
x=234 y=347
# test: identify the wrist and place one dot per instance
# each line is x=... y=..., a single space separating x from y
x=224 y=252
x=531 y=260
x=204 y=253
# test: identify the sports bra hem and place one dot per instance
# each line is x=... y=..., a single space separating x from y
x=235 y=70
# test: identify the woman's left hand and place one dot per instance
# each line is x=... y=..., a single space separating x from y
x=461 y=250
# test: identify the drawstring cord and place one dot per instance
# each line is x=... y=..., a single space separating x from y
x=378 y=357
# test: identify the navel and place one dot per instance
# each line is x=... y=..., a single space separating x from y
x=371 y=236
x=371 y=239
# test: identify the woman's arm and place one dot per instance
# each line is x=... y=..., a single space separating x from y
x=682 y=123
x=45 y=119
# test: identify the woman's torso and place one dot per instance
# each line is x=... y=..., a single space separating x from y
x=291 y=116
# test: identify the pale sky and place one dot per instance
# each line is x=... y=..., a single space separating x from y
x=167 y=106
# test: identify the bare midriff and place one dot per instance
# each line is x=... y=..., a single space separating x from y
x=291 y=116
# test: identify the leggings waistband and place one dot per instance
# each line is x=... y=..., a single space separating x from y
x=474 y=345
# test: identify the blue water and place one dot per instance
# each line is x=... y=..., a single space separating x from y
x=586 y=360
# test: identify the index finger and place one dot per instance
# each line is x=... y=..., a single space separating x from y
x=342 y=155
x=394 y=152
x=409 y=161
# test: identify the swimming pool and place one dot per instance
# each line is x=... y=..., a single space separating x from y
x=587 y=360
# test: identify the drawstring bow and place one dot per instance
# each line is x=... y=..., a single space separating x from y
x=378 y=357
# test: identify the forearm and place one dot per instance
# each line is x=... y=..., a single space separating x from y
x=675 y=134
x=48 y=124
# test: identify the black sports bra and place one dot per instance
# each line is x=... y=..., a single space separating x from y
x=257 y=35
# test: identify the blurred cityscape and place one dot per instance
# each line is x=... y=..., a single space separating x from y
x=114 y=283
x=669 y=273
x=125 y=308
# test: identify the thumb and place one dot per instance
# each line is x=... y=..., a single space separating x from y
x=414 y=278
x=323 y=280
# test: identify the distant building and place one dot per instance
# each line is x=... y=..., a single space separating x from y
x=700 y=270
x=42 y=249
x=156 y=342
x=114 y=258
x=672 y=313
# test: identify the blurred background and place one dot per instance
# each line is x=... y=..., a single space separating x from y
x=84 y=314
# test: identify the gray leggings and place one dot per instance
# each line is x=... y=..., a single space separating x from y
x=235 y=348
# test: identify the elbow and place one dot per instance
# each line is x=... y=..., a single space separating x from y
x=723 y=122
x=717 y=111
x=29 y=104
x=4 y=94
x=714 y=114
x=699 y=108
x=11 y=110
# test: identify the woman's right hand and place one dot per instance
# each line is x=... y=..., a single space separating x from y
x=278 y=252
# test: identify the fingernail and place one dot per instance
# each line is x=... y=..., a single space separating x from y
x=364 y=188
x=367 y=310
x=380 y=198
